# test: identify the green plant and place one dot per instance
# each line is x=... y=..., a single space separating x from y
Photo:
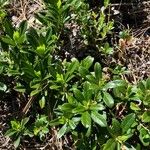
x=74 y=95
x=41 y=126
x=125 y=34
x=3 y=3
x=94 y=28
x=18 y=130
x=57 y=14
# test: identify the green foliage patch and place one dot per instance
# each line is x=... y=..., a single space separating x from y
x=73 y=95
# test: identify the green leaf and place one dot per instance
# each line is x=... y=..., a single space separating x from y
x=141 y=85
x=15 y=125
x=127 y=146
x=114 y=84
x=45 y=130
x=29 y=133
x=87 y=62
x=78 y=95
x=8 y=27
x=24 y=121
x=110 y=145
x=42 y=102
x=134 y=106
x=3 y=87
x=23 y=27
x=67 y=107
x=127 y=122
x=17 y=142
x=16 y=35
x=124 y=138
x=115 y=130
x=33 y=38
x=34 y=92
x=59 y=4
x=71 y=68
x=28 y=71
x=56 y=122
x=91 y=79
x=98 y=118
x=20 y=88
x=86 y=119
x=7 y=40
x=72 y=124
x=98 y=71
x=144 y=137
x=79 y=109
x=87 y=92
x=146 y=116
x=97 y=107
x=10 y=132
x=41 y=49
x=71 y=99
x=108 y=100
x=83 y=71
x=62 y=131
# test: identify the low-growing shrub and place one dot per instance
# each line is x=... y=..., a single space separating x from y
x=76 y=96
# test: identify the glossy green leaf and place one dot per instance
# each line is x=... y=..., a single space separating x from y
x=116 y=128
x=97 y=107
x=86 y=119
x=79 y=109
x=89 y=130
x=110 y=145
x=62 y=131
x=8 y=27
x=10 y=132
x=87 y=91
x=144 y=137
x=141 y=85
x=23 y=27
x=15 y=125
x=16 y=36
x=83 y=71
x=108 y=99
x=128 y=146
x=33 y=38
x=134 y=106
x=42 y=102
x=17 y=142
x=67 y=107
x=34 y=92
x=98 y=71
x=24 y=121
x=91 y=79
x=59 y=4
x=20 y=88
x=127 y=122
x=71 y=99
x=87 y=62
x=72 y=124
x=146 y=116
x=98 y=118
x=124 y=138
x=41 y=49
x=78 y=95
x=71 y=68
x=106 y=3
x=114 y=84
x=8 y=40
